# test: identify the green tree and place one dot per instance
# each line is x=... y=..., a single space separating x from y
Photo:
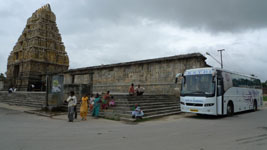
x=2 y=76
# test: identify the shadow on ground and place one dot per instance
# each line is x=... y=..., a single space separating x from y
x=211 y=117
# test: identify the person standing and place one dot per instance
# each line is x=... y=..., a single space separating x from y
x=72 y=101
x=84 y=107
x=75 y=110
x=96 y=108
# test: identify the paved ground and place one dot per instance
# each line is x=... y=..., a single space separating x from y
x=21 y=131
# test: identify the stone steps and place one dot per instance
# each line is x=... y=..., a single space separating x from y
x=148 y=117
x=145 y=109
x=22 y=102
x=144 y=105
x=144 y=102
x=29 y=99
x=152 y=106
x=29 y=104
x=150 y=113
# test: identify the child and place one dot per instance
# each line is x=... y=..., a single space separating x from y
x=112 y=102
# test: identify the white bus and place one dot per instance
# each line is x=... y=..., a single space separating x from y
x=214 y=91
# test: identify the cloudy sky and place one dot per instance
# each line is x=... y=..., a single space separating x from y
x=99 y=32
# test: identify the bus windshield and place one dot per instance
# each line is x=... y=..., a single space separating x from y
x=198 y=85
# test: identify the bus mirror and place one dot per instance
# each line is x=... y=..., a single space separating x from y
x=177 y=77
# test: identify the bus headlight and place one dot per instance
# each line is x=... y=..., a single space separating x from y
x=209 y=104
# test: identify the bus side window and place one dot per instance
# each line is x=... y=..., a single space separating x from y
x=220 y=87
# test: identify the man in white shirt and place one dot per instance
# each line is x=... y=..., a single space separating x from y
x=139 y=90
x=72 y=101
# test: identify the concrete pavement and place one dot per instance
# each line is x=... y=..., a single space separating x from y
x=21 y=131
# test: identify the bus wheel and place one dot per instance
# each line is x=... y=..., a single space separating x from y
x=255 y=106
x=230 y=109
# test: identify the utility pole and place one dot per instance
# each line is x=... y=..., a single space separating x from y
x=221 y=63
x=221 y=50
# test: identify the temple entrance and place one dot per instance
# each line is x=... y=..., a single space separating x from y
x=16 y=71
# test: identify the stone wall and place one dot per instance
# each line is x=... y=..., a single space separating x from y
x=1 y=85
x=31 y=99
x=157 y=76
x=264 y=91
x=79 y=90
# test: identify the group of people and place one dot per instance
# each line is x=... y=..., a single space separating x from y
x=107 y=101
x=93 y=103
x=137 y=112
x=100 y=102
x=12 y=89
x=136 y=90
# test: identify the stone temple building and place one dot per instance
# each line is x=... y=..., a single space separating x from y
x=38 y=51
x=156 y=75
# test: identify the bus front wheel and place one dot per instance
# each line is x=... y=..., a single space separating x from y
x=230 y=109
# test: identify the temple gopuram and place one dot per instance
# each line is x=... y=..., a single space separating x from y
x=38 y=51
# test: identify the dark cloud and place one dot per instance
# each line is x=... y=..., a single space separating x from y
x=99 y=32
x=215 y=16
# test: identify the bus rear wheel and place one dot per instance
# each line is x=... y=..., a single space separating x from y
x=230 y=109
x=255 y=105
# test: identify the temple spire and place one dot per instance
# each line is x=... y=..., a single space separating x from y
x=45 y=7
x=38 y=51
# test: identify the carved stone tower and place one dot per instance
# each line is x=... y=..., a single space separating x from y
x=38 y=51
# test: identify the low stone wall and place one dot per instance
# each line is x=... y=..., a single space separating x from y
x=264 y=91
x=78 y=89
x=1 y=85
x=30 y=99
x=157 y=76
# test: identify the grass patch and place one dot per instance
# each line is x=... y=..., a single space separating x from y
x=264 y=98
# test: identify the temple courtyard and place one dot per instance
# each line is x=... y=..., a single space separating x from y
x=23 y=131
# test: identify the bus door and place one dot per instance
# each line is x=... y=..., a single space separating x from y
x=219 y=95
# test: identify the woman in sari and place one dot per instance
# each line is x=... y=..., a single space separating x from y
x=96 y=108
x=84 y=107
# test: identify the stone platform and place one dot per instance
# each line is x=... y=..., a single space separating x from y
x=30 y=99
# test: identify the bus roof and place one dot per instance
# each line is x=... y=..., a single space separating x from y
x=210 y=70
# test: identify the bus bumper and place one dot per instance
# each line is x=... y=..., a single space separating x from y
x=199 y=110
